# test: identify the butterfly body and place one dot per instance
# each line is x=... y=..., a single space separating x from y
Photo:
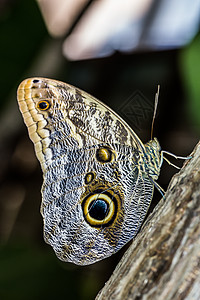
x=98 y=175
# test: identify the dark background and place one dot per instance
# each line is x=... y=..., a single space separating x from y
x=28 y=267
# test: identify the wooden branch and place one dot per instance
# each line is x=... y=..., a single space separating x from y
x=163 y=261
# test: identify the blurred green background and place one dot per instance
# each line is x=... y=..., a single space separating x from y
x=28 y=267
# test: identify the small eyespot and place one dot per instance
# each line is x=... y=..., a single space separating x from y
x=105 y=155
x=36 y=81
x=89 y=177
x=43 y=105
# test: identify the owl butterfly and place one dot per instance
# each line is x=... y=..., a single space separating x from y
x=98 y=175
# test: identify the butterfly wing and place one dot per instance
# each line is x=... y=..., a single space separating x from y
x=96 y=191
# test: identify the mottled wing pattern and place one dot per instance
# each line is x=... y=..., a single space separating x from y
x=97 y=184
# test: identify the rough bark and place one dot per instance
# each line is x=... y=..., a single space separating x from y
x=163 y=262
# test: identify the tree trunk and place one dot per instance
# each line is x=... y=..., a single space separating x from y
x=163 y=262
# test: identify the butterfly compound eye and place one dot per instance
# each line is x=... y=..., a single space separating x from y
x=43 y=105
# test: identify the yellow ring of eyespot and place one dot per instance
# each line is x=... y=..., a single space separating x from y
x=110 y=214
x=43 y=101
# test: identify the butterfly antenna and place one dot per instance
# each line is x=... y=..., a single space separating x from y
x=155 y=109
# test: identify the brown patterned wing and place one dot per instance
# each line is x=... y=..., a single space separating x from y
x=96 y=189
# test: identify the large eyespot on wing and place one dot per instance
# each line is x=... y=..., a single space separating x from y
x=101 y=207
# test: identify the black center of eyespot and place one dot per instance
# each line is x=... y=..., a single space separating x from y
x=98 y=209
x=36 y=81
x=42 y=105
